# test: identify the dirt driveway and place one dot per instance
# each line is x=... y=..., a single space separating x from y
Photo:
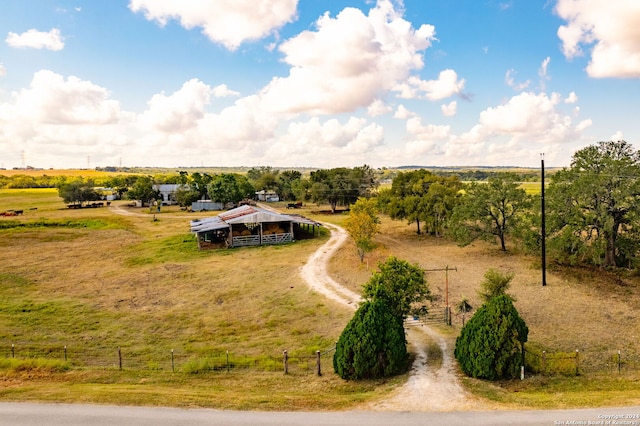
x=427 y=389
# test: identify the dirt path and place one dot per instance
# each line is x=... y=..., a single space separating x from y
x=427 y=389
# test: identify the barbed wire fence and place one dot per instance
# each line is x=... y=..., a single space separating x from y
x=541 y=362
x=122 y=358
x=581 y=362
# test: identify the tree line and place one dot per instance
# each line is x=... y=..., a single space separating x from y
x=337 y=187
x=592 y=208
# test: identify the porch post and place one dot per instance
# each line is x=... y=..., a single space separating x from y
x=260 y=233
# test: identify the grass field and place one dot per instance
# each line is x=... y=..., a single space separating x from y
x=96 y=281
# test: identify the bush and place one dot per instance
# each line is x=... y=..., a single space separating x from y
x=372 y=345
x=490 y=344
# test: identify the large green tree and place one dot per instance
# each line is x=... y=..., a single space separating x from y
x=341 y=186
x=143 y=191
x=401 y=286
x=490 y=210
x=421 y=197
x=593 y=207
x=230 y=188
x=78 y=191
x=490 y=344
x=289 y=188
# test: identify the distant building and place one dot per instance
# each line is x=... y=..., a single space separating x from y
x=267 y=196
x=167 y=193
x=206 y=205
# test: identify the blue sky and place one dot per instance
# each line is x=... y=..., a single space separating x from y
x=314 y=83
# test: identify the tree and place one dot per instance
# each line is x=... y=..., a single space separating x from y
x=490 y=345
x=340 y=186
x=263 y=178
x=143 y=191
x=78 y=191
x=495 y=284
x=489 y=210
x=199 y=183
x=593 y=206
x=399 y=285
x=289 y=184
x=362 y=224
x=418 y=197
x=185 y=195
x=229 y=188
x=372 y=345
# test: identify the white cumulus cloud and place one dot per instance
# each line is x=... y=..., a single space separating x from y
x=450 y=109
x=402 y=113
x=428 y=132
x=50 y=99
x=607 y=30
x=571 y=99
x=320 y=142
x=445 y=86
x=377 y=108
x=222 y=91
x=179 y=111
x=327 y=76
x=527 y=116
x=51 y=40
x=228 y=22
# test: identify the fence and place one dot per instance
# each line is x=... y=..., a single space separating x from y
x=581 y=362
x=172 y=361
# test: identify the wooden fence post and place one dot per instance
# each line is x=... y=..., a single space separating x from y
x=173 y=365
x=119 y=358
x=619 y=362
x=544 y=362
x=318 y=363
x=577 y=362
x=285 y=361
x=65 y=353
x=228 y=367
x=13 y=350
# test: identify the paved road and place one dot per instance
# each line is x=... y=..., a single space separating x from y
x=28 y=414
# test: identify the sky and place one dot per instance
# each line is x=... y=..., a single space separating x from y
x=315 y=83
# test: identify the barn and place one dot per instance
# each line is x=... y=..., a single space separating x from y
x=251 y=226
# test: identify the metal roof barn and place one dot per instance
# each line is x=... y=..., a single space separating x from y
x=251 y=225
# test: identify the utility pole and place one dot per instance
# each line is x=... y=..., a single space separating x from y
x=447 y=309
x=543 y=227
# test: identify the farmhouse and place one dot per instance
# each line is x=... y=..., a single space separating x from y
x=249 y=226
x=167 y=193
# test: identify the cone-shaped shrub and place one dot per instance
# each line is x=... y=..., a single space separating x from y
x=372 y=345
x=490 y=344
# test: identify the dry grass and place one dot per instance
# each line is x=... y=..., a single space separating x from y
x=578 y=309
x=147 y=288
x=131 y=282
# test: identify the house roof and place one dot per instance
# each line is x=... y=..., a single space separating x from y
x=246 y=214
